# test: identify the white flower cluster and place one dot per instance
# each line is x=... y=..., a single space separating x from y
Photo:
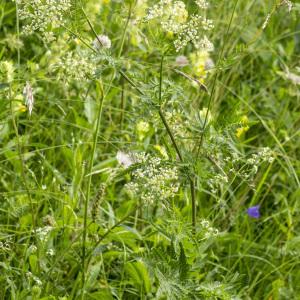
x=207 y=230
x=202 y=4
x=264 y=155
x=43 y=16
x=43 y=232
x=76 y=66
x=36 y=279
x=230 y=166
x=173 y=18
x=177 y=123
x=5 y=246
x=153 y=180
x=217 y=182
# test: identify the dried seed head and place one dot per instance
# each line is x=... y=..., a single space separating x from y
x=28 y=94
x=182 y=61
x=97 y=201
x=102 y=41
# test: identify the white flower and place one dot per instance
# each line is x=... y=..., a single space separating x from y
x=182 y=61
x=294 y=78
x=43 y=16
x=28 y=94
x=202 y=4
x=102 y=41
x=153 y=180
x=124 y=159
x=288 y=3
x=174 y=18
x=77 y=65
x=50 y=252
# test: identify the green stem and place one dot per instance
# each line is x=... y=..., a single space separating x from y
x=88 y=189
x=169 y=131
x=124 y=32
x=170 y=134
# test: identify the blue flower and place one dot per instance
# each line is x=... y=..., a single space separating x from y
x=253 y=211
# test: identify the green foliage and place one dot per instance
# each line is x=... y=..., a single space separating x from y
x=107 y=86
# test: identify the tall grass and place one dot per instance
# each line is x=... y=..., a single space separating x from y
x=89 y=206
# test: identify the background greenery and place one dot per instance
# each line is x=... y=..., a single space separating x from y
x=136 y=250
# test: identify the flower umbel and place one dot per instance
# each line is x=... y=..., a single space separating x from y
x=173 y=18
x=153 y=180
x=43 y=16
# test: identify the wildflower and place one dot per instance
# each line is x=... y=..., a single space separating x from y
x=43 y=16
x=181 y=61
x=173 y=17
x=288 y=3
x=6 y=71
x=76 y=66
x=142 y=129
x=202 y=4
x=253 y=211
x=102 y=41
x=162 y=150
x=176 y=122
x=124 y=159
x=294 y=78
x=43 y=232
x=49 y=220
x=207 y=230
x=28 y=94
x=50 y=252
x=32 y=249
x=153 y=180
x=244 y=120
x=201 y=63
x=209 y=64
x=241 y=131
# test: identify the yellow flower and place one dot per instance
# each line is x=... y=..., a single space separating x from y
x=241 y=131
x=198 y=61
x=162 y=151
x=170 y=34
x=142 y=129
x=244 y=120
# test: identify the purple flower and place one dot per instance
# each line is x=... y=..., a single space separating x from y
x=253 y=211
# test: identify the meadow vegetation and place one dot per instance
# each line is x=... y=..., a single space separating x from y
x=149 y=149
